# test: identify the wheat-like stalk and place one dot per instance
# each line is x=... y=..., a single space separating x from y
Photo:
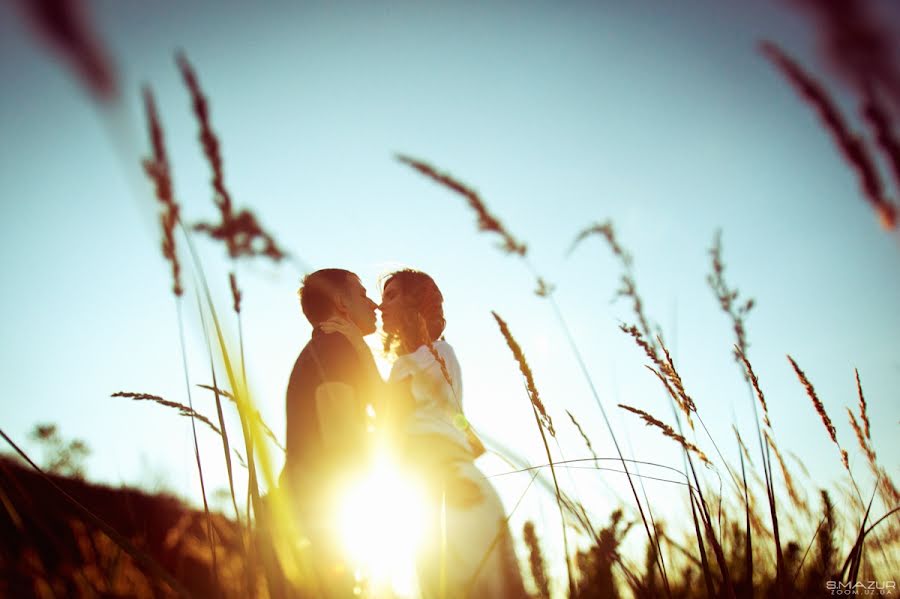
x=645 y=345
x=259 y=417
x=183 y=410
x=536 y=560
x=863 y=407
x=851 y=146
x=728 y=297
x=861 y=439
x=880 y=124
x=664 y=371
x=235 y=292
x=584 y=437
x=744 y=449
x=820 y=410
x=629 y=285
x=68 y=28
x=533 y=394
x=157 y=168
x=486 y=221
x=754 y=380
x=669 y=432
x=672 y=374
x=793 y=490
x=543 y=421
x=886 y=485
x=239 y=230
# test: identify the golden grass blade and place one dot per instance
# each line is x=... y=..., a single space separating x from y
x=754 y=380
x=852 y=147
x=157 y=168
x=543 y=421
x=793 y=490
x=486 y=221
x=183 y=410
x=239 y=230
x=584 y=436
x=880 y=124
x=863 y=407
x=250 y=573
x=265 y=427
x=820 y=410
x=669 y=432
x=536 y=561
x=629 y=285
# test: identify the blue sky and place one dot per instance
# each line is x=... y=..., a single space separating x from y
x=663 y=118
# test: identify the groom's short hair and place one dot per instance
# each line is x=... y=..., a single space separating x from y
x=317 y=292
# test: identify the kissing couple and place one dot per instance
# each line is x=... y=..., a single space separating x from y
x=334 y=396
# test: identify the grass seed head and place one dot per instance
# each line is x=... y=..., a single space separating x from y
x=235 y=292
x=863 y=407
x=157 y=168
x=754 y=380
x=533 y=394
x=486 y=221
x=852 y=147
x=669 y=432
x=183 y=410
x=239 y=230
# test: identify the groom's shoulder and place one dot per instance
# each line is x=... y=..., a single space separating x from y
x=330 y=344
x=331 y=351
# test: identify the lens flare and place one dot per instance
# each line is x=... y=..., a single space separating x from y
x=380 y=519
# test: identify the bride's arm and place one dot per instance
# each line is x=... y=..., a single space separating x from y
x=353 y=335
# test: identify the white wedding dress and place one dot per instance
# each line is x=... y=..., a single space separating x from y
x=467 y=549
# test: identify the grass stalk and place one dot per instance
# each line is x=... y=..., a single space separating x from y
x=249 y=561
x=187 y=383
x=748 y=532
x=542 y=420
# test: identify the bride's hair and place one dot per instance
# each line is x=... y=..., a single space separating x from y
x=422 y=319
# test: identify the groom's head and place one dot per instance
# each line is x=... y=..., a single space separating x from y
x=337 y=292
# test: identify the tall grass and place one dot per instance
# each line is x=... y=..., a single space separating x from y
x=730 y=545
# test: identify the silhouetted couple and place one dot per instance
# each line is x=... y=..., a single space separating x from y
x=334 y=392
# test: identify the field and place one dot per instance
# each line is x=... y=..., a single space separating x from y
x=738 y=515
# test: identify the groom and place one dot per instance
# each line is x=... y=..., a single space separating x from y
x=329 y=385
x=326 y=411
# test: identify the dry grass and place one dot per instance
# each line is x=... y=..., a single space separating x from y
x=235 y=293
x=669 y=432
x=584 y=437
x=791 y=486
x=754 y=380
x=820 y=410
x=545 y=420
x=793 y=576
x=880 y=123
x=728 y=297
x=536 y=561
x=852 y=147
x=629 y=285
x=183 y=410
x=486 y=221
x=239 y=230
x=544 y=423
x=157 y=168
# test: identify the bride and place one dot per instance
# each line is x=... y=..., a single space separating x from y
x=467 y=549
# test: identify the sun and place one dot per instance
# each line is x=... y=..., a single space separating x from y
x=380 y=519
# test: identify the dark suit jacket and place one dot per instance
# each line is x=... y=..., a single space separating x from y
x=310 y=469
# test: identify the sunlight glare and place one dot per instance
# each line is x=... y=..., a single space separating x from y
x=380 y=522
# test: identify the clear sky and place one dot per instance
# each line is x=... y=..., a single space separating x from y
x=660 y=116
